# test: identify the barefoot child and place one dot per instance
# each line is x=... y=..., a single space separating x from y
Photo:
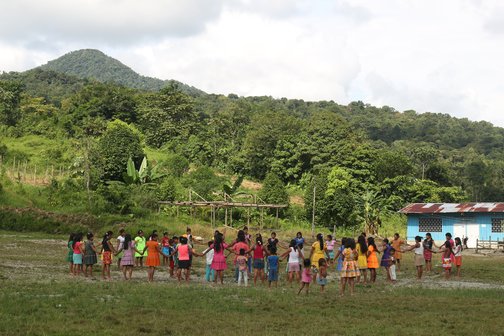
x=306 y=276
x=458 y=255
x=362 y=260
x=70 y=251
x=165 y=244
x=392 y=266
x=241 y=261
x=322 y=274
x=331 y=243
x=140 y=245
x=128 y=259
x=419 y=255
x=372 y=259
x=428 y=244
x=106 y=250
x=209 y=272
x=350 y=269
x=273 y=261
x=294 y=254
x=385 y=260
x=185 y=251
x=447 y=255
x=77 y=254
x=89 y=255
x=153 y=250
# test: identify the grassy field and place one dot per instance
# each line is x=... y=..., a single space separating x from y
x=40 y=298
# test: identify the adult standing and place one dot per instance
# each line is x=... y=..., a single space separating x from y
x=237 y=245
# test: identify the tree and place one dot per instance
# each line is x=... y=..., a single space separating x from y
x=167 y=116
x=273 y=190
x=117 y=144
x=10 y=98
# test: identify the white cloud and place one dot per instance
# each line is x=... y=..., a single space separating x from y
x=438 y=56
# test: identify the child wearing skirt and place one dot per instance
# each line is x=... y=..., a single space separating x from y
x=89 y=255
x=78 y=249
x=69 y=258
x=128 y=250
x=322 y=274
x=458 y=255
x=350 y=269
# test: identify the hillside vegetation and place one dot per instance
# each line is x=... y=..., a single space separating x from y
x=72 y=123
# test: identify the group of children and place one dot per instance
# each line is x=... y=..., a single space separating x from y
x=258 y=259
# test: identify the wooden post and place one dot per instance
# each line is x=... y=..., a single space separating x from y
x=477 y=244
x=248 y=216
x=262 y=218
x=313 y=213
x=225 y=216
x=276 y=224
x=35 y=174
x=231 y=217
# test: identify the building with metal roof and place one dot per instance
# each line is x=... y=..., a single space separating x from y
x=471 y=220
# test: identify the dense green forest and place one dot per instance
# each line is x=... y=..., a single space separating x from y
x=91 y=114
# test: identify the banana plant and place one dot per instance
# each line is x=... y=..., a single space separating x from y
x=143 y=175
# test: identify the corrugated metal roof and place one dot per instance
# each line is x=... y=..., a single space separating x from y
x=427 y=208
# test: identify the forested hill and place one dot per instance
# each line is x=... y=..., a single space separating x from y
x=94 y=64
x=364 y=160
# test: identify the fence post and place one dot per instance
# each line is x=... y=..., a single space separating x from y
x=477 y=244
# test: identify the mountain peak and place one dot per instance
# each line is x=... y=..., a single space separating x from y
x=96 y=65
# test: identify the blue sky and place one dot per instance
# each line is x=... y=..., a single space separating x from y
x=436 y=56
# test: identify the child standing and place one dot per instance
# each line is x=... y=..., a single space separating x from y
x=209 y=254
x=350 y=269
x=330 y=242
x=428 y=243
x=372 y=259
x=165 y=244
x=258 y=263
x=294 y=254
x=140 y=244
x=392 y=271
x=385 y=260
x=447 y=255
x=219 y=264
x=306 y=276
x=106 y=250
x=419 y=255
x=77 y=254
x=153 y=250
x=322 y=274
x=70 y=251
x=458 y=255
x=128 y=259
x=241 y=261
x=273 y=266
x=339 y=254
x=89 y=255
x=362 y=260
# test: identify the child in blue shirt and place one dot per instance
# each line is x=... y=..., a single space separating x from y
x=273 y=261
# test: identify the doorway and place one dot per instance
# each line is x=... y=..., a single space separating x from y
x=471 y=231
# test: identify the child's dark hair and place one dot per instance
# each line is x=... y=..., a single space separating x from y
x=343 y=241
x=362 y=243
x=307 y=263
x=329 y=237
x=293 y=244
x=259 y=240
x=371 y=242
x=448 y=246
x=320 y=238
x=139 y=232
x=218 y=242
x=210 y=243
x=386 y=241
x=183 y=240
x=272 y=249
x=448 y=234
x=121 y=231
x=89 y=235
x=458 y=242
x=418 y=239
x=170 y=241
x=71 y=237
x=322 y=262
x=174 y=238
x=350 y=243
x=77 y=238
x=127 y=240
x=240 y=236
x=242 y=252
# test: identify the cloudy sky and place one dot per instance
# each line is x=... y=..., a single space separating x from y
x=427 y=55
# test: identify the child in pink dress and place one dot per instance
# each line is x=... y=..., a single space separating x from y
x=306 y=276
x=219 y=259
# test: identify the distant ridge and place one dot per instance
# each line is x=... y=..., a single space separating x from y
x=94 y=64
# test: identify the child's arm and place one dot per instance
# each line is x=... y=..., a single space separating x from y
x=195 y=253
x=284 y=255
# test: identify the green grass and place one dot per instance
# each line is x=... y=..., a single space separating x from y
x=39 y=298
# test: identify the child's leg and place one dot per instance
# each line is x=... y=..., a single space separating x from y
x=458 y=271
x=398 y=263
x=343 y=285
x=188 y=274
x=91 y=271
x=419 y=272
x=240 y=277
x=307 y=288
x=365 y=275
x=351 y=285
x=245 y=278
x=387 y=270
x=301 y=288
x=125 y=271
x=322 y=288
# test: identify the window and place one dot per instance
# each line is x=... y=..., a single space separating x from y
x=497 y=224
x=430 y=225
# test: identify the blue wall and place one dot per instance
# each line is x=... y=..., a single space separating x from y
x=483 y=219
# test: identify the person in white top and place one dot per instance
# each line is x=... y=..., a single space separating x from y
x=209 y=254
x=419 y=258
x=295 y=255
x=120 y=247
x=457 y=251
